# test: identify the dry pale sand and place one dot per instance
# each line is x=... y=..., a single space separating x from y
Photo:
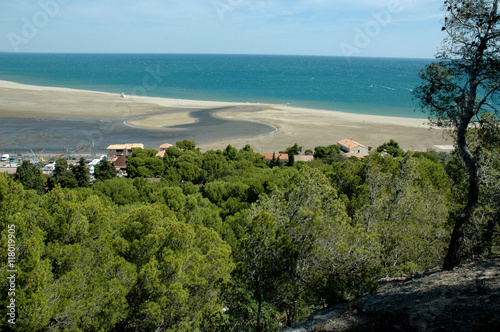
x=163 y=120
x=310 y=128
x=307 y=127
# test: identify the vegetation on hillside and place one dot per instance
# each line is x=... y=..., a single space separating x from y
x=227 y=242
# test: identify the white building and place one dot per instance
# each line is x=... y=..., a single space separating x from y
x=122 y=149
x=48 y=169
x=352 y=148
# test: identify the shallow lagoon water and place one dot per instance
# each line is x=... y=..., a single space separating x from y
x=358 y=85
x=18 y=135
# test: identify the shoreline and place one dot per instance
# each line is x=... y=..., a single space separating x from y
x=173 y=103
x=307 y=127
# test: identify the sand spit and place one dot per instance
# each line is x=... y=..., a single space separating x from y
x=307 y=127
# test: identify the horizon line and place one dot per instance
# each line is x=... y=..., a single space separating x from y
x=229 y=54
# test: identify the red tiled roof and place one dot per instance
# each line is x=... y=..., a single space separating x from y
x=269 y=156
x=350 y=144
x=121 y=162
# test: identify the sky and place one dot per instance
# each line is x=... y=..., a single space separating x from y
x=368 y=28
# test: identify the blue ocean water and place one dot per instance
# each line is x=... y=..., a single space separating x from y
x=380 y=86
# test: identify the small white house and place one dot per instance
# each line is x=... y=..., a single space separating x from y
x=48 y=169
x=350 y=147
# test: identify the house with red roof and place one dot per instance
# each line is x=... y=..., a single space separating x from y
x=283 y=157
x=120 y=162
x=163 y=148
x=351 y=148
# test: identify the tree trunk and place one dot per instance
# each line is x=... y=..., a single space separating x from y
x=259 y=307
x=456 y=249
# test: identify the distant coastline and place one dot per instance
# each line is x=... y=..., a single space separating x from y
x=375 y=86
x=78 y=116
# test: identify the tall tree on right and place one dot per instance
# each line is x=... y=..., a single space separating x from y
x=461 y=86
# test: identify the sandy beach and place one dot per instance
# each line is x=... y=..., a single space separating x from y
x=307 y=127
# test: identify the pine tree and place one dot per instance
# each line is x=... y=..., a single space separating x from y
x=30 y=176
x=461 y=86
x=105 y=171
x=82 y=174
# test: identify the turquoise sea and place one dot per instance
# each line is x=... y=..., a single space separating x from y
x=379 y=86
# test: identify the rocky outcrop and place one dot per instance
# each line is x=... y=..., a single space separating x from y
x=464 y=299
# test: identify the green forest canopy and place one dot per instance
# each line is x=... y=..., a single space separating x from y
x=225 y=242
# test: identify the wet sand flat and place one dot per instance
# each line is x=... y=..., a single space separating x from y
x=307 y=127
